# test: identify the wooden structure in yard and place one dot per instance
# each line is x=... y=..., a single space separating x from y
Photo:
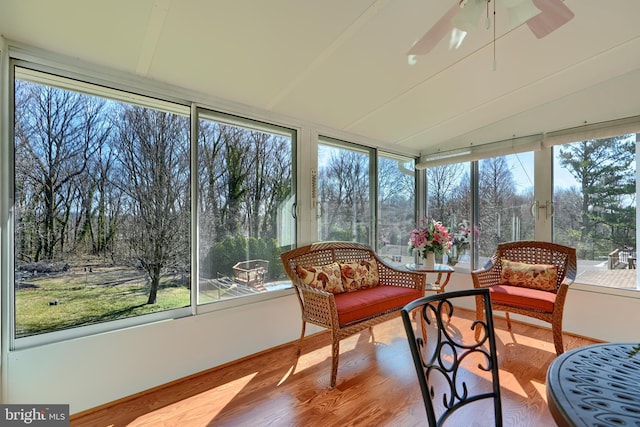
x=251 y=272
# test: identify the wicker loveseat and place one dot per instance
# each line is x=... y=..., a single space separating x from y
x=529 y=278
x=345 y=287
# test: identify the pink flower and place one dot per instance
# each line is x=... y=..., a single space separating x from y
x=431 y=236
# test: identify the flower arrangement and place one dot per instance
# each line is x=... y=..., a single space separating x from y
x=461 y=241
x=461 y=238
x=431 y=236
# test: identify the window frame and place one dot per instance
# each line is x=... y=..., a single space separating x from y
x=543 y=181
x=373 y=179
x=91 y=82
x=198 y=112
x=590 y=133
x=416 y=173
x=66 y=80
x=135 y=86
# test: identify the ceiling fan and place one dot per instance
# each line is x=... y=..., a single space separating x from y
x=541 y=16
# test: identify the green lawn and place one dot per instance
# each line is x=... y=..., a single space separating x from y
x=77 y=297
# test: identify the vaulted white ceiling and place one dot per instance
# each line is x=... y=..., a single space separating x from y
x=342 y=64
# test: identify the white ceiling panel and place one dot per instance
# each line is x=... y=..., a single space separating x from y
x=342 y=64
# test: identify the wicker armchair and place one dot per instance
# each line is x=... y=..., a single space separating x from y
x=348 y=313
x=545 y=305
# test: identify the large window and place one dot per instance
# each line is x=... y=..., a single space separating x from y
x=103 y=221
x=505 y=198
x=344 y=192
x=104 y=230
x=102 y=204
x=592 y=205
x=502 y=198
x=449 y=201
x=246 y=203
x=595 y=208
x=396 y=207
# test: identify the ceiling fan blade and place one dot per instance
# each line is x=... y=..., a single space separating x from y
x=554 y=15
x=435 y=34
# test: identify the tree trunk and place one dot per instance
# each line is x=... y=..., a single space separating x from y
x=155 y=282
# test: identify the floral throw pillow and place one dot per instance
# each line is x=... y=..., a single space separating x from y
x=537 y=276
x=359 y=274
x=324 y=277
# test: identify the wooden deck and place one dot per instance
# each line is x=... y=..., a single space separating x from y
x=617 y=278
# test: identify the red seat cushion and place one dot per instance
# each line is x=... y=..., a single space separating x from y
x=517 y=296
x=364 y=303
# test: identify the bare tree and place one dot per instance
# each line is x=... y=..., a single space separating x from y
x=153 y=150
x=442 y=182
x=396 y=184
x=497 y=195
x=396 y=201
x=344 y=192
x=244 y=175
x=238 y=164
x=276 y=175
x=269 y=181
x=211 y=183
x=103 y=233
x=92 y=186
x=461 y=200
x=57 y=131
x=566 y=220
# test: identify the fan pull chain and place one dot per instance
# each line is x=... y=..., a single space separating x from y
x=494 y=35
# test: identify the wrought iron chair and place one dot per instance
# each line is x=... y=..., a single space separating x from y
x=529 y=297
x=454 y=369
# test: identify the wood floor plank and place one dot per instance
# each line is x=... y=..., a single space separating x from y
x=377 y=385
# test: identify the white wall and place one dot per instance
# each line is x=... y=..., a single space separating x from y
x=588 y=311
x=91 y=371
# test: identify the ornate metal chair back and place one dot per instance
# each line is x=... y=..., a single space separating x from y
x=455 y=370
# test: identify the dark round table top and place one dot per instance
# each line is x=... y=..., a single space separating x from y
x=595 y=385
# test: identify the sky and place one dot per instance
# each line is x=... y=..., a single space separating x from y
x=522 y=168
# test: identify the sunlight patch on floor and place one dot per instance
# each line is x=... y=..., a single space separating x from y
x=514 y=387
x=286 y=376
x=214 y=400
x=541 y=388
x=509 y=341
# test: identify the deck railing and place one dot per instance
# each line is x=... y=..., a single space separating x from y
x=621 y=258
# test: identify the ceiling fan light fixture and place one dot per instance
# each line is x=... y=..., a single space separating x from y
x=467 y=19
x=457 y=37
x=427 y=42
x=541 y=16
x=520 y=11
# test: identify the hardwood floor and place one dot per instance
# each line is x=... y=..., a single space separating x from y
x=377 y=385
